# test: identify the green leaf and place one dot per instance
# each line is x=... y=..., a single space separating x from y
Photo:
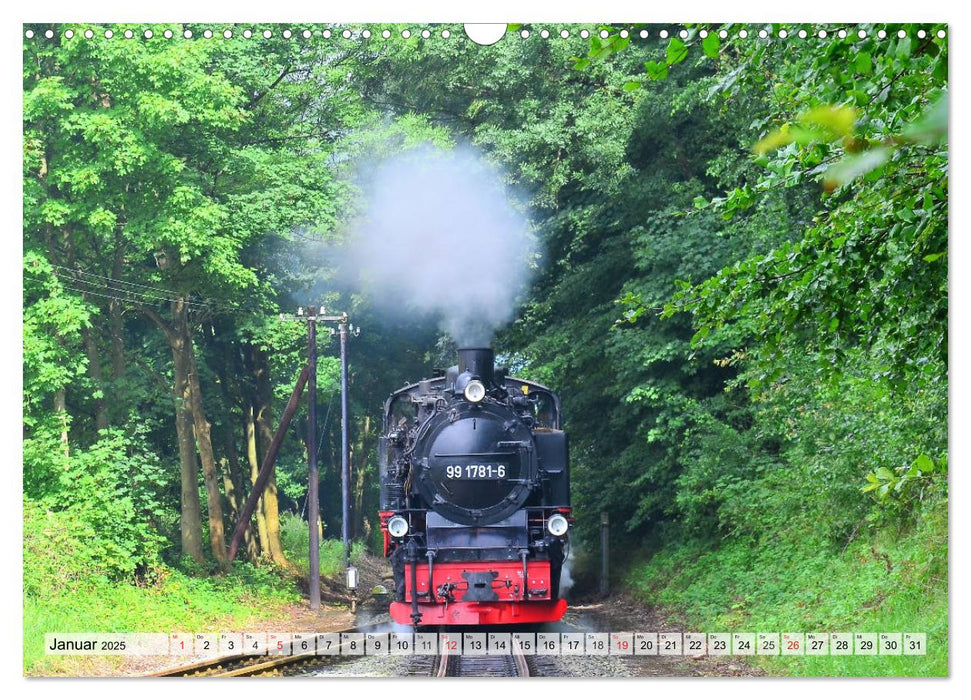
x=580 y=63
x=656 y=71
x=904 y=47
x=773 y=140
x=632 y=85
x=931 y=127
x=863 y=63
x=804 y=136
x=710 y=45
x=676 y=52
x=702 y=333
x=618 y=43
x=853 y=166
x=699 y=202
x=934 y=257
x=836 y=119
x=885 y=474
x=924 y=463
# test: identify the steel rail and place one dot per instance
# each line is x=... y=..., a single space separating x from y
x=214 y=667
x=513 y=664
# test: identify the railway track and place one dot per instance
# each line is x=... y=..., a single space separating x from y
x=238 y=666
x=242 y=665
x=508 y=666
x=444 y=665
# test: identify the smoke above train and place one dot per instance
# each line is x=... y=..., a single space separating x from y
x=441 y=237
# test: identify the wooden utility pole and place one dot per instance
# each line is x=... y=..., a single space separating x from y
x=313 y=476
x=345 y=461
x=604 y=559
x=313 y=479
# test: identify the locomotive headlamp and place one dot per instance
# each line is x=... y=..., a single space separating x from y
x=557 y=525
x=397 y=526
x=475 y=391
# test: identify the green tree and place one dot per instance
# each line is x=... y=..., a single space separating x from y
x=154 y=171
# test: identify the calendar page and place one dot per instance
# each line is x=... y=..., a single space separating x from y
x=406 y=347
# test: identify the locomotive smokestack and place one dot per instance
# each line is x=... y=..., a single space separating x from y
x=479 y=362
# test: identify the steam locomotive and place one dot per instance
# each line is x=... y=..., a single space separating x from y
x=475 y=497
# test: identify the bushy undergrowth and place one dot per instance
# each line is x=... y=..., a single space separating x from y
x=98 y=510
x=295 y=536
x=777 y=528
x=883 y=580
x=92 y=548
x=176 y=601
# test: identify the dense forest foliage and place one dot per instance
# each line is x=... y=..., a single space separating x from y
x=741 y=294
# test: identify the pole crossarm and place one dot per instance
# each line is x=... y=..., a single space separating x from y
x=300 y=317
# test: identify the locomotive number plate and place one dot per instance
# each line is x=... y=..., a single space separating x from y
x=475 y=471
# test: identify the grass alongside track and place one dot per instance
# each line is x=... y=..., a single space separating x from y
x=64 y=594
x=296 y=545
x=176 y=602
x=877 y=583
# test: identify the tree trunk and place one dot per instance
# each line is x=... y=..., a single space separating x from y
x=90 y=344
x=60 y=408
x=227 y=369
x=191 y=514
x=264 y=431
x=210 y=477
x=363 y=452
x=254 y=471
x=94 y=371
x=229 y=488
x=271 y=512
x=235 y=494
x=115 y=322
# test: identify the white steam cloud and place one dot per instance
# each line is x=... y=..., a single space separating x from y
x=566 y=575
x=441 y=238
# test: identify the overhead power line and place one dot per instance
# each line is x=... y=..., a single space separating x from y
x=103 y=286
x=124 y=299
x=121 y=290
x=82 y=273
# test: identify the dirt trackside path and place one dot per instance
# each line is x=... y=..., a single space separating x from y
x=622 y=613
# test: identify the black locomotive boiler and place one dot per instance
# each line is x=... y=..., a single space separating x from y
x=475 y=497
